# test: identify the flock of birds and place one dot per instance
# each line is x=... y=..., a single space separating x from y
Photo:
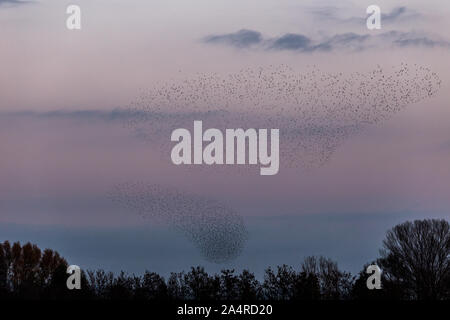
x=315 y=111
x=214 y=228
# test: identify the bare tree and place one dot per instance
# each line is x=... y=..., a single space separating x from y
x=415 y=257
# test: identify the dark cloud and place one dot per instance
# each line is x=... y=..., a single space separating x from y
x=241 y=39
x=292 y=41
x=344 y=41
x=299 y=42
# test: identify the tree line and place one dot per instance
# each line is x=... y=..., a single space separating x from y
x=414 y=259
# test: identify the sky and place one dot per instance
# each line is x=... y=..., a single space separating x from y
x=64 y=144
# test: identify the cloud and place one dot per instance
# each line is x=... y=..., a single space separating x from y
x=421 y=41
x=13 y=2
x=106 y=115
x=128 y=116
x=328 y=12
x=349 y=41
x=241 y=39
x=292 y=41
x=397 y=14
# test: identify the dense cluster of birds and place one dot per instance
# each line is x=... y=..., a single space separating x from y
x=315 y=111
x=214 y=228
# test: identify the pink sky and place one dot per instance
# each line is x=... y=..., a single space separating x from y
x=400 y=165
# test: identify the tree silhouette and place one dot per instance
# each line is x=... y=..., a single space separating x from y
x=306 y=287
x=416 y=259
x=333 y=283
x=176 y=288
x=152 y=287
x=122 y=287
x=100 y=283
x=279 y=285
x=25 y=272
x=229 y=285
x=200 y=286
x=249 y=288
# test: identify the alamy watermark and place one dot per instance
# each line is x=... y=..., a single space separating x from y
x=73 y=22
x=374 y=20
x=235 y=147
x=74 y=280
x=374 y=280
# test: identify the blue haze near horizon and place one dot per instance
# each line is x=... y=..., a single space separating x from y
x=351 y=240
